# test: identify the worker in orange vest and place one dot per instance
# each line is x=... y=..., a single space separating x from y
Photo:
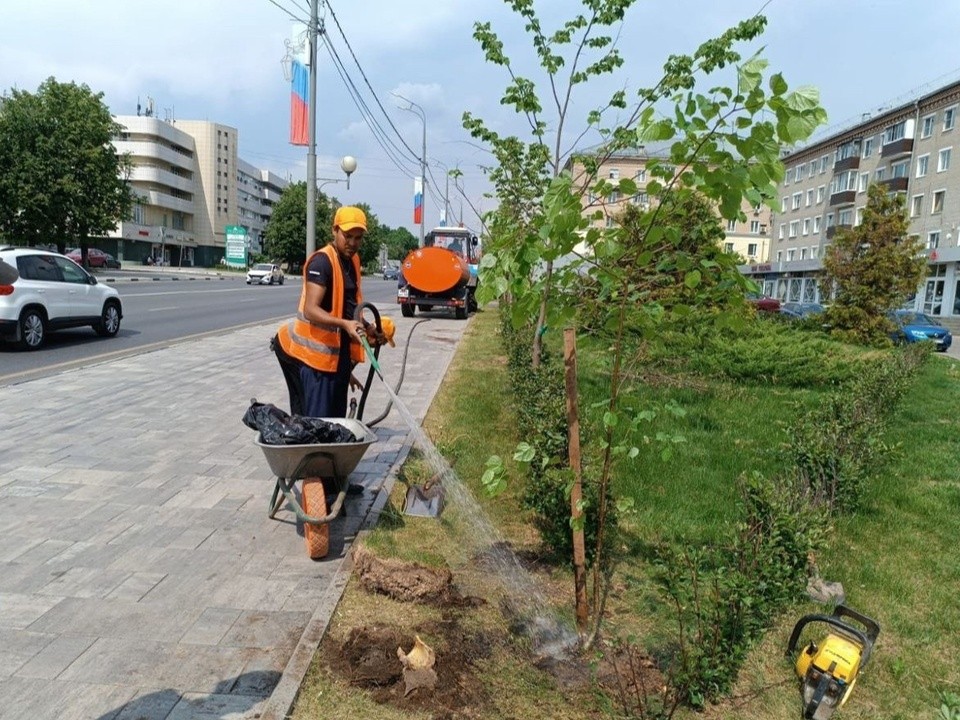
x=319 y=347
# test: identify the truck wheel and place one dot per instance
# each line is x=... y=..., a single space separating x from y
x=460 y=313
x=316 y=537
x=407 y=310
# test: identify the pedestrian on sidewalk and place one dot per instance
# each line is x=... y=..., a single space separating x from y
x=318 y=349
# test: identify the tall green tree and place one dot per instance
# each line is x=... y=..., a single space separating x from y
x=873 y=267
x=285 y=237
x=61 y=179
x=400 y=242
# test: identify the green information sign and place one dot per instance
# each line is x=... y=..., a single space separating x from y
x=236 y=254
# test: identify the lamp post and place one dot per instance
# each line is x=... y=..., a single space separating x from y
x=423 y=159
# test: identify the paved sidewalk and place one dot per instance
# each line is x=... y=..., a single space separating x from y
x=139 y=574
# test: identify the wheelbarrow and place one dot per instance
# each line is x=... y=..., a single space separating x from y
x=309 y=463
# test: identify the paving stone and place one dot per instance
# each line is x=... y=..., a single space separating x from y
x=214 y=707
x=56 y=657
x=258 y=629
x=155 y=705
x=135 y=586
x=211 y=626
x=17 y=647
x=19 y=610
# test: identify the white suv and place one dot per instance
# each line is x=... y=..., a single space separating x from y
x=265 y=274
x=53 y=292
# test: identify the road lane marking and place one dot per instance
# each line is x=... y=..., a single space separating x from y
x=171 y=307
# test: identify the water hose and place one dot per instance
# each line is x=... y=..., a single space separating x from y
x=374 y=354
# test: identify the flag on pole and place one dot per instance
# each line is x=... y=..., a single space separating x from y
x=298 y=104
x=417 y=200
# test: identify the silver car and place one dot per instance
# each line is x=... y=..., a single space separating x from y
x=265 y=274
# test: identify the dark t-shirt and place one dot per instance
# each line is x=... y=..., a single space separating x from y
x=320 y=272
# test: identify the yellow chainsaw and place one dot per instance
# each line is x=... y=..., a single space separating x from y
x=828 y=670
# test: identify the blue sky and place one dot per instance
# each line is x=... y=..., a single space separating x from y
x=221 y=60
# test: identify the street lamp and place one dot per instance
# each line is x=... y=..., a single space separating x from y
x=423 y=159
x=348 y=164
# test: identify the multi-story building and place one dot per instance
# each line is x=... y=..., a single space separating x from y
x=190 y=184
x=749 y=238
x=909 y=150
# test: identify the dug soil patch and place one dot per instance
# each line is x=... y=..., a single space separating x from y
x=368 y=659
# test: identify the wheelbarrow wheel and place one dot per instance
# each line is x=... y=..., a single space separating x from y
x=315 y=537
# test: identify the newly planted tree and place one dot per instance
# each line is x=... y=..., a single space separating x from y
x=873 y=267
x=721 y=147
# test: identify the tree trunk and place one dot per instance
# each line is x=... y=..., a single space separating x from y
x=576 y=492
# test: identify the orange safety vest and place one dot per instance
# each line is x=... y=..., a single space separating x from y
x=318 y=344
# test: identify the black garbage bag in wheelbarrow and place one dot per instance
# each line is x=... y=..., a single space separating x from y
x=280 y=428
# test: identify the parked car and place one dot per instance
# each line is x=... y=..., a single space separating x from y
x=912 y=326
x=52 y=293
x=111 y=262
x=798 y=311
x=763 y=303
x=96 y=258
x=391 y=272
x=264 y=274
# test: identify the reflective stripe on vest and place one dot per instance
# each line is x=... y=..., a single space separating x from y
x=318 y=344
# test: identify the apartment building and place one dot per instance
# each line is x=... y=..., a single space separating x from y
x=907 y=149
x=749 y=237
x=190 y=184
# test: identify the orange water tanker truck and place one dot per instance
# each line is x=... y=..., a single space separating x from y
x=441 y=274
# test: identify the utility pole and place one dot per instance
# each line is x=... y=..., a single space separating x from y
x=423 y=160
x=314 y=31
x=446 y=203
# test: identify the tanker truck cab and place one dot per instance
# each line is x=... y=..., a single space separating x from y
x=441 y=274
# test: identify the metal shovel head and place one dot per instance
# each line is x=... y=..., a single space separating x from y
x=424 y=500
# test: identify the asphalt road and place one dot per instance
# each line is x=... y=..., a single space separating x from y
x=158 y=314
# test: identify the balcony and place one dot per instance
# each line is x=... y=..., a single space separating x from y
x=895 y=184
x=903 y=146
x=851 y=162
x=834 y=229
x=844 y=197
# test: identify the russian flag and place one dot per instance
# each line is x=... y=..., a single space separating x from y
x=298 y=105
x=417 y=200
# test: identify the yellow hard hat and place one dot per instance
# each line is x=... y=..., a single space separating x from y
x=386 y=324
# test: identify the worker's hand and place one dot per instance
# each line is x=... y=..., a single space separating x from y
x=354 y=329
x=374 y=337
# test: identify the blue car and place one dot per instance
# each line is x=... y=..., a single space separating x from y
x=912 y=326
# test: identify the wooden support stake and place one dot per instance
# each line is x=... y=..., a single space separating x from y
x=576 y=492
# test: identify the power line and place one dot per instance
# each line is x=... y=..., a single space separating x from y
x=365 y=112
x=336 y=22
x=295 y=17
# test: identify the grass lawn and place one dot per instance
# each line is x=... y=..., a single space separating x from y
x=897 y=558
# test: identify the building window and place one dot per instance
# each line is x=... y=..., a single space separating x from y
x=783 y=204
x=829 y=220
x=880 y=173
x=806 y=226
x=848 y=149
x=798 y=173
x=845 y=217
x=779 y=255
x=614 y=174
x=820 y=191
x=728 y=247
x=949 y=118
x=731 y=225
x=782 y=231
x=933 y=240
x=803 y=253
x=814 y=251
x=809 y=197
x=895 y=132
x=843 y=182
x=938 y=197
x=790 y=255
x=816 y=225
x=926 y=129
x=916 y=206
x=943 y=160
x=796 y=200
x=824 y=161
x=641 y=175
x=752 y=249
x=858 y=217
x=794 y=228
x=868 y=147
x=900 y=169
x=922 y=162
x=864 y=181
x=614 y=197
x=755 y=227
x=813 y=168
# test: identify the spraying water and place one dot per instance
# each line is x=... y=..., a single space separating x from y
x=549 y=635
